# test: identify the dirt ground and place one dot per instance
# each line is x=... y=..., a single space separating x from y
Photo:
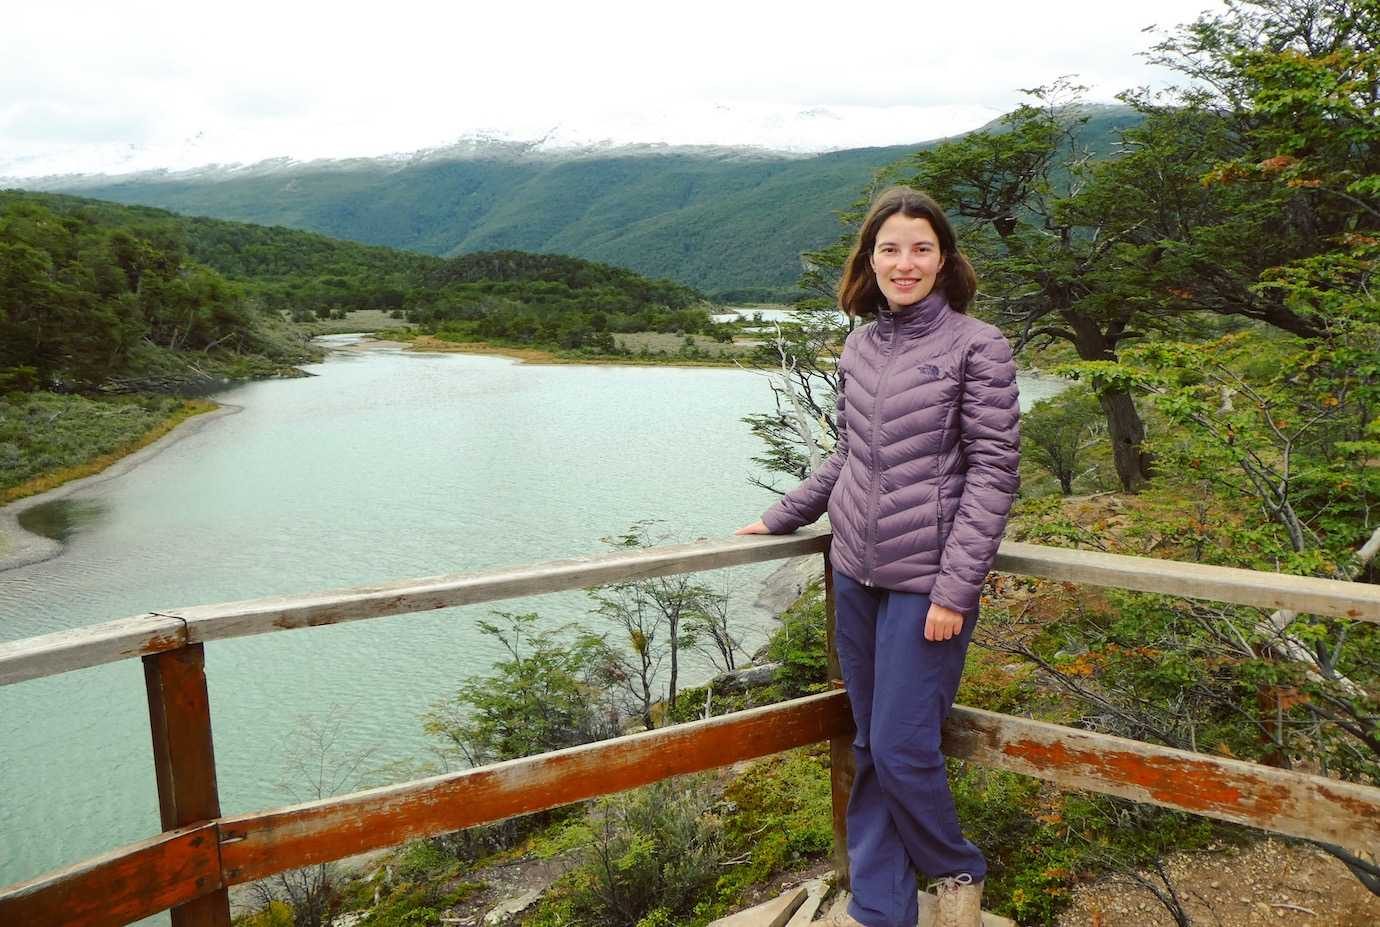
x=1271 y=882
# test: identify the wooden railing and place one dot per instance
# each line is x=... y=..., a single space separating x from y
x=200 y=853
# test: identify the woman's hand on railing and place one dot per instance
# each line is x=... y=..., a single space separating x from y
x=756 y=527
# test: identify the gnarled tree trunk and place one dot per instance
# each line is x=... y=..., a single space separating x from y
x=1127 y=431
x=1124 y=425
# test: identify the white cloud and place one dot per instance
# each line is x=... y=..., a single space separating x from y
x=172 y=81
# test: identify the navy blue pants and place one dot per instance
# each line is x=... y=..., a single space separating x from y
x=901 y=815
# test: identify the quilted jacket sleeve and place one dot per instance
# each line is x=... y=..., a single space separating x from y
x=989 y=438
x=808 y=501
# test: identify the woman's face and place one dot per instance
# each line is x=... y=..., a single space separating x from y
x=906 y=260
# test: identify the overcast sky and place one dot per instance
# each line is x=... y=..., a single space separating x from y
x=135 y=84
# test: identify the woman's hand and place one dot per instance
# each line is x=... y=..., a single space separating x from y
x=756 y=527
x=942 y=623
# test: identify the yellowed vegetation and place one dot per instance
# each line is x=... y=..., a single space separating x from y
x=539 y=356
x=51 y=480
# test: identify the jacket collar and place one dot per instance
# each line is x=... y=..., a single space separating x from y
x=915 y=320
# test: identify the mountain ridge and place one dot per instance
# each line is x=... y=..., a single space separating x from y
x=728 y=220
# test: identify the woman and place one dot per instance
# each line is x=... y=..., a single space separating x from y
x=918 y=490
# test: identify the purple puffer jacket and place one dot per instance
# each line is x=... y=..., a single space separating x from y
x=925 y=470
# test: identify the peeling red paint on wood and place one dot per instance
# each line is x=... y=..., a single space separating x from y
x=92 y=645
x=1350 y=802
x=184 y=759
x=1278 y=800
x=1187 y=784
x=121 y=887
x=841 y=761
x=176 y=868
x=163 y=642
x=153 y=872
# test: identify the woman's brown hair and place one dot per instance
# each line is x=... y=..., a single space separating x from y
x=859 y=294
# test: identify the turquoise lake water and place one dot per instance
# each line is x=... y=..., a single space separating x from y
x=385 y=465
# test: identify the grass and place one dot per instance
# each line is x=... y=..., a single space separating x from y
x=47 y=439
x=361 y=320
x=650 y=355
x=667 y=343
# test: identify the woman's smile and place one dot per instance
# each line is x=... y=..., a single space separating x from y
x=906 y=259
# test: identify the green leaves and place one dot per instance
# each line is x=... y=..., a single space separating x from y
x=545 y=695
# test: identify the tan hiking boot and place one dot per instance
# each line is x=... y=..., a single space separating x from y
x=960 y=902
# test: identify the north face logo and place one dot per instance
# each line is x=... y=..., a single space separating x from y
x=928 y=371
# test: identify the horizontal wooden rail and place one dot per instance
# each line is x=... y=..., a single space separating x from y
x=1308 y=594
x=79 y=648
x=1276 y=800
x=116 y=640
x=258 y=845
x=174 y=867
x=92 y=645
x=122 y=886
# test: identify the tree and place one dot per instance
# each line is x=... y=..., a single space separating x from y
x=1060 y=430
x=1039 y=263
x=313 y=768
x=801 y=366
x=545 y=695
x=655 y=616
x=710 y=629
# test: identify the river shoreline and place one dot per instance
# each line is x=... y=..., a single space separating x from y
x=428 y=344
x=20 y=547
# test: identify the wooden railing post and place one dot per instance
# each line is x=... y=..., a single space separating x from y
x=840 y=748
x=184 y=762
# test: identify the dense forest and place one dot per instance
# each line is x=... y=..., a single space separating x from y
x=98 y=294
x=84 y=301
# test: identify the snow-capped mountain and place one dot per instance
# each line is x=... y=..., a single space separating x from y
x=761 y=128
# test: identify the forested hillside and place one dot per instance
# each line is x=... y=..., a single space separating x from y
x=96 y=293
x=90 y=296
x=725 y=222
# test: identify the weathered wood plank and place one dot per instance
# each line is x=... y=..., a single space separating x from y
x=122 y=886
x=1272 y=799
x=1230 y=790
x=83 y=647
x=184 y=760
x=179 y=866
x=1306 y=594
x=258 y=845
x=773 y=913
x=50 y=654
x=237 y=619
x=815 y=892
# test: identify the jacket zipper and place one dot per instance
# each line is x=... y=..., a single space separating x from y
x=874 y=493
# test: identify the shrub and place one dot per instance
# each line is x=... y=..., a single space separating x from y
x=542 y=697
x=799 y=646
x=778 y=814
x=654 y=855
